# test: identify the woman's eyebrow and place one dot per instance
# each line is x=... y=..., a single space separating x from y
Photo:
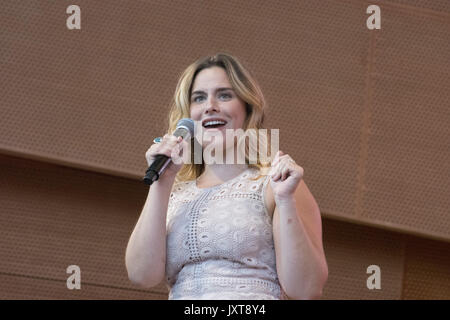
x=217 y=90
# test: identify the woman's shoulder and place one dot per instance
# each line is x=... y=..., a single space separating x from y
x=180 y=184
x=181 y=191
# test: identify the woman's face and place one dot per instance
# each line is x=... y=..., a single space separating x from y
x=213 y=98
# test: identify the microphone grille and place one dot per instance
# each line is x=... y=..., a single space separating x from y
x=187 y=123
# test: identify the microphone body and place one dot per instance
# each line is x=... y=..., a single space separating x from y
x=185 y=129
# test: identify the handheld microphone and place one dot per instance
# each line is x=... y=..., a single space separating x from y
x=185 y=129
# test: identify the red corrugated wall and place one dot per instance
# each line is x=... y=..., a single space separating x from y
x=365 y=112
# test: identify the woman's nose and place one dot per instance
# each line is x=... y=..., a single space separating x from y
x=211 y=105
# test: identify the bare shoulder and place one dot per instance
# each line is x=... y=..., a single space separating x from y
x=180 y=185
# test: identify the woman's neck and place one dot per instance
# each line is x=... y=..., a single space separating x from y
x=219 y=173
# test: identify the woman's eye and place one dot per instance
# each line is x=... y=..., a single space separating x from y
x=226 y=95
x=195 y=99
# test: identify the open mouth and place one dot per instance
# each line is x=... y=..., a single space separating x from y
x=212 y=124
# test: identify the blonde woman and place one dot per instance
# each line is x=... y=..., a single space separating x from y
x=226 y=231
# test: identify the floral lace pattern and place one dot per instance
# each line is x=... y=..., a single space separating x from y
x=220 y=242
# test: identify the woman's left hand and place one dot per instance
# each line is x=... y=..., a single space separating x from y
x=285 y=176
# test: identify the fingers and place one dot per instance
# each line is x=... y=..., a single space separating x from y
x=281 y=171
x=168 y=146
x=276 y=176
x=175 y=154
x=281 y=166
x=278 y=157
x=284 y=173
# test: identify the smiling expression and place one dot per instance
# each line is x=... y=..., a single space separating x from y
x=215 y=103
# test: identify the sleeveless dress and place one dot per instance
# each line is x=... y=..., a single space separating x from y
x=220 y=242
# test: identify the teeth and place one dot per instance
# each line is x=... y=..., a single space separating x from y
x=211 y=123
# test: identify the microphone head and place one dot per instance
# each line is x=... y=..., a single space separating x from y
x=187 y=124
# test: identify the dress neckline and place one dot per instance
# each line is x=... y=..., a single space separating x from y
x=222 y=184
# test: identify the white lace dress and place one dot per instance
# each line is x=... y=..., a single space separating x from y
x=220 y=242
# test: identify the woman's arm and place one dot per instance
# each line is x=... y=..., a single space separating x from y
x=297 y=230
x=145 y=257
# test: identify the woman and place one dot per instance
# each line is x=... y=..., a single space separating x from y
x=226 y=231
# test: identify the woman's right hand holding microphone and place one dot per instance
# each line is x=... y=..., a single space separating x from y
x=172 y=147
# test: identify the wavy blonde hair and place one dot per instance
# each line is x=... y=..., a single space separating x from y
x=246 y=88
